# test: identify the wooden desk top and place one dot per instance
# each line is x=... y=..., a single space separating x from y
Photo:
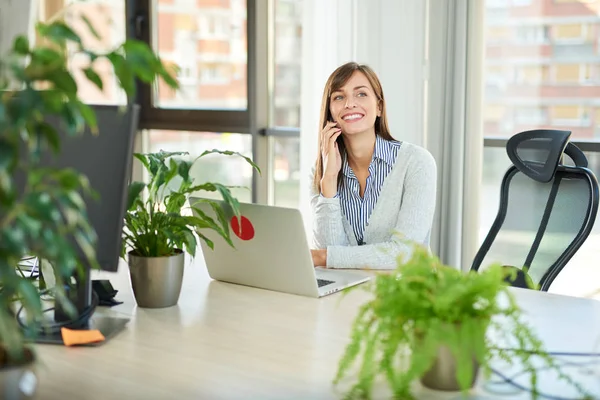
x=225 y=341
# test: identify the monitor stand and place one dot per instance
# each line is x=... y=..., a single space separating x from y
x=82 y=297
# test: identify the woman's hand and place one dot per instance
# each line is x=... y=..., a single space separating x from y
x=319 y=257
x=332 y=160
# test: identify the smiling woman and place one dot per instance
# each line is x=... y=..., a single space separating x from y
x=372 y=195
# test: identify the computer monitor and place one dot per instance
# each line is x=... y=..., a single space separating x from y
x=106 y=159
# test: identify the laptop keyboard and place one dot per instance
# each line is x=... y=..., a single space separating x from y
x=323 y=282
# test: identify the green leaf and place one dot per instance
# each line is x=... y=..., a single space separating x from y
x=73 y=119
x=64 y=80
x=124 y=73
x=53 y=100
x=90 y=27
x=86 y=244
x=141 y=59
x=92 y=76
x=190 y=241
x=29 y=296
x=46 y=55
x=143 y=159
x=49 y=134
x=8 y=153
x=135 y=189
x=58 y=32
x=169 y=78
x=208 y=242
x=184 y=170
x=14 y=240
x=89 y=116
x=229 y=153
x=21 y=45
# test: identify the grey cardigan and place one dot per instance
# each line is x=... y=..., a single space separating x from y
x=405 y=208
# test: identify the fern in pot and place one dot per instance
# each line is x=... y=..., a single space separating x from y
x=160 y=227
x=432 y=323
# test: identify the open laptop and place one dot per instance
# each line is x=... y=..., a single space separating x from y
x=271 y=252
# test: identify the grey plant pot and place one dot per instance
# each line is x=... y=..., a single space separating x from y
x=442 y=375
x=156 y=281
x=19 y=382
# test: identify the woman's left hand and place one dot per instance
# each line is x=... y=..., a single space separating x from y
x=319 y=257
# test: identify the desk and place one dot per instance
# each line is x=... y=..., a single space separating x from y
x=225 y=341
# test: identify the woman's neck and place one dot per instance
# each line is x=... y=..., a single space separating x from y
x=359 y=150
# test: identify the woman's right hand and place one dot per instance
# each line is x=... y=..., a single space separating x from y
x=332 y=160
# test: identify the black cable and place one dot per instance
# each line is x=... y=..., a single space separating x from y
x=511 y=379
x=54 y=327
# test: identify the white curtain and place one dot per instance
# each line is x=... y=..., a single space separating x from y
x=454 y=124
x=17 y=17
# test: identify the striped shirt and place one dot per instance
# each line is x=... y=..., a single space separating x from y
x=358 y=209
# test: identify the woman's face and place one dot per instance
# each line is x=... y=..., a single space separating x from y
x=355 y=105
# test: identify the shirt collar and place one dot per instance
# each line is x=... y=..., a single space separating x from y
x=383 y=151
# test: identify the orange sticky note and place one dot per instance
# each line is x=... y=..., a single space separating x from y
x=73 y=337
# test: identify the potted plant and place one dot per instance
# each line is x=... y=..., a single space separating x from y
x=160 y=227
x=36 y=216
x=430 y=322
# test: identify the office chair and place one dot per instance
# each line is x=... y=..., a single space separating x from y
x=547 y=208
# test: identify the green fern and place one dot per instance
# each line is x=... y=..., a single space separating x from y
x=424 y=305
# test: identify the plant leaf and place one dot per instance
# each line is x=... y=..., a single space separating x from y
x=93 y=77
x=135 y=188
x=90 y=26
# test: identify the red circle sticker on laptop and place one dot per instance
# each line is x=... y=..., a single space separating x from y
x=247 y=230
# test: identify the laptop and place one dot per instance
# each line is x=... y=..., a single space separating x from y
x=271 y=252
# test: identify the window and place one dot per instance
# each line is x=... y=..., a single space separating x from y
x=494 y=112
x=497 y=3
x=285 y=107
x=528 y=115
x=531 y=75
x=570 y=31
x=568 y=115
x=498 y=34
x=220 y=49
x=597 y=124
x=108 y=18
x=531 y=34
x=196 y=36
x=521 y=3
x=212 y=168
x=567 y=73
x=555 y=88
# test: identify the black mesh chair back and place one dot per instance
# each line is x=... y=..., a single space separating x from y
x=547 y=208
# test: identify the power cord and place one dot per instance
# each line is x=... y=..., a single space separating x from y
x=511 y=379
x=54 y=327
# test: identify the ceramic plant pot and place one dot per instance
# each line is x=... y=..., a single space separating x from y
x=156 y=281
x=18 y=381
x=442 y=375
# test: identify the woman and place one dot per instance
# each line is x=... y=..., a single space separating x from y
x=372 y=195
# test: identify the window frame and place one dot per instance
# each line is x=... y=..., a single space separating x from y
x=140 y=26
x=253 y=120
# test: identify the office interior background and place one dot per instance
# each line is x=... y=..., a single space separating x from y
x=459 y=76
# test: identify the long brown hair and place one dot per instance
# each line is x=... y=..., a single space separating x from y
x=336 y=80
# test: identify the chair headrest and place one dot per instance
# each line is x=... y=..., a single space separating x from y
x=538 y=153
